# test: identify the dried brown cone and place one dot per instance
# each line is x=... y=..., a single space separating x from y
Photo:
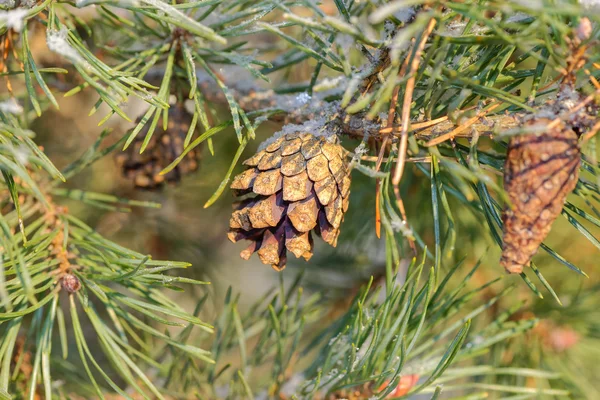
x=163 y=148
x=297 y=184
x=540 y=171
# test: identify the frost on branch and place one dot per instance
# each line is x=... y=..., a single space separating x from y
x=10 y=107
x=57 y=42
x=14 y=19
x=316 y=127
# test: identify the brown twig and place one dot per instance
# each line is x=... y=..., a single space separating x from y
x=593 y=131
x=416 y=125
x=463 y=127
x=410 y=87
x=351 y=125
x=424 y=159
x=382 y=63
x=5 y=49
x=386 y=138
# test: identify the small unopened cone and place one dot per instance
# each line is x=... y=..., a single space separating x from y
x=144 y=169
x=539 y=172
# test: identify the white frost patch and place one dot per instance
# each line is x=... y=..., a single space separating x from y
x=11 y=107
x=22 y=154
x=359 y=151
x=14 y=19
x=57 y=42
x=361 y=352
x=455 y=28
x=316 y=127
x=301 y=103
x=337 y=84
x=388 y=28
x=568 y=97
x=8 y=3
x=293 y=102
x=383 y=117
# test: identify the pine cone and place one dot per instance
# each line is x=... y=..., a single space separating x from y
x=297 y=184
x=540 y=171
x=164 y=147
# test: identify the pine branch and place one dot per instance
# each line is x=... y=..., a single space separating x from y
x=434 y=92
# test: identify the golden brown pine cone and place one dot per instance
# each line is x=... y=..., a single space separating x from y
x=296 y=184
x=163 y=148
x=540 y=171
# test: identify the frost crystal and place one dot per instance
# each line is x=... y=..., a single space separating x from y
x=334 y=84
x=330 y=87
x=568 y=97
x=11 y=107
x=388 y=29
x=361 y=352
x=455 y=28
x=8 y=3
x=57 y=42
x=292 y=103
x=22 y=154
x=14 y=19
x=359 y=151
x=383 y=116
x=402 y=227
